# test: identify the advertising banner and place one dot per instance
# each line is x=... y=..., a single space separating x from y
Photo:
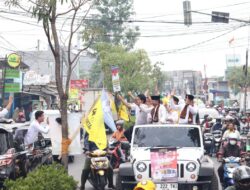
x=116 y=79
x=164 y=164
x=79 y=84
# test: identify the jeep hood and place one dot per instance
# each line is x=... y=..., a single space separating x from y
x=184 y=154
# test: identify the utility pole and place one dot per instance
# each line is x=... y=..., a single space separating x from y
x=246 y=82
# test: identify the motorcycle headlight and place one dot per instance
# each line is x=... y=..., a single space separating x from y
x=191 y=166
x=141 y=167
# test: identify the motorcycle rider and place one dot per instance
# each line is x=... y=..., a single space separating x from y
x=243 y=124
x=231 y=130
x=231 y=149
x=119 y=133
x=241 y=178
x=89 y=147
x=217 y=125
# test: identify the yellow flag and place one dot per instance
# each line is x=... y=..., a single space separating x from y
x=123 y=112
x=94 y=125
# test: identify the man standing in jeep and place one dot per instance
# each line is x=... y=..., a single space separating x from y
x=188 y=111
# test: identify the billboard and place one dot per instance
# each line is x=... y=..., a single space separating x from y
x=233 y=60
x=79 y=84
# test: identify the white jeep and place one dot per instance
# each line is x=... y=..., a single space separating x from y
x=195 y=170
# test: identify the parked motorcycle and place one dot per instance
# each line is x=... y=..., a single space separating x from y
x=99 y=165
x=217 y=138
x=16 y=158
x=231 y=163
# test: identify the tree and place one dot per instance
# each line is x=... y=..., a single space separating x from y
x=47 y=12
x=109 y=25
x=237 y=79
x=135 y=70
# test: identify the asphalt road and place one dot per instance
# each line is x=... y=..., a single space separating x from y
x=75 y=170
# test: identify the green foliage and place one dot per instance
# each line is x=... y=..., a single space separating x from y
x=237 y=79
x=52 y=177
x=108 y=24
x=135 y=70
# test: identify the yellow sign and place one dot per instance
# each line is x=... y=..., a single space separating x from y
x=14 y=60
x=74 y=93
x=94 y=125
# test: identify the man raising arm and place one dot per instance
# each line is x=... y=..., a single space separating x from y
x=5 y=111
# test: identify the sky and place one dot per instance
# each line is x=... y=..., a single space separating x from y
x=177 y=46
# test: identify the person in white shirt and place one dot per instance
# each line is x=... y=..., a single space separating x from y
x=158 y=113
x=140 y=107
x=231 y=129
x=172 y=115
x=35 y=128
x=187 y=110
x=6 y=110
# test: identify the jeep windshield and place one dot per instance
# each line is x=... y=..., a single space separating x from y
x=167 y=137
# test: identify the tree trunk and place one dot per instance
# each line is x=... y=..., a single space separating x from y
x=65 y=140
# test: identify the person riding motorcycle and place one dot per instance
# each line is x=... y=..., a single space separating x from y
x=231 y=149
x=119 y=133
x=217 y=125
x=244 y=127
x=241 y=178
x=231 y=130
x=90 y=147
x=145 y=185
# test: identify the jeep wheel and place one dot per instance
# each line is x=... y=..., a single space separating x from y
x=214 y=182
x=118 y=185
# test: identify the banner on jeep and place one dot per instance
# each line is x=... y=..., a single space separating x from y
x=164 y=164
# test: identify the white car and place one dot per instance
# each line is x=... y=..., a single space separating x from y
x=194 y=170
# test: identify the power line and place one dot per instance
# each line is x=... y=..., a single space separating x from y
x=196 y=44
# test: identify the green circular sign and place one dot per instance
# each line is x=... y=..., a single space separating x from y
x=14 y=60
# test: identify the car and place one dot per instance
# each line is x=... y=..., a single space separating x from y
x=195 y=170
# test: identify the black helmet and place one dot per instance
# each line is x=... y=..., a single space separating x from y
x=241 y=178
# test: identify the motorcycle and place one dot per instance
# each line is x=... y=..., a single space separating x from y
x=217 y=135
x=118 y=152
x=208 y=142
x=231 y=163
x=99 y=165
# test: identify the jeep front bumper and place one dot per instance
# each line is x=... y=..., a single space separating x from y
x=198 y=185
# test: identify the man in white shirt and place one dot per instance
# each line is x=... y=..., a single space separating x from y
x=5 y=111
x=158 y=113
x=140 y=107
x=141 y=112
x=172 y=115
x=35 y=128
x=187 y=110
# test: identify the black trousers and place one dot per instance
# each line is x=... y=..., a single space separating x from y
x=128 y=133
x=86 y=171
x=221 y=172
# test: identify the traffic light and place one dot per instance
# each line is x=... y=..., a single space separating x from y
x=187 y=13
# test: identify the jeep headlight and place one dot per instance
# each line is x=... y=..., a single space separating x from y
x=141 y=167
x=191 y=166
